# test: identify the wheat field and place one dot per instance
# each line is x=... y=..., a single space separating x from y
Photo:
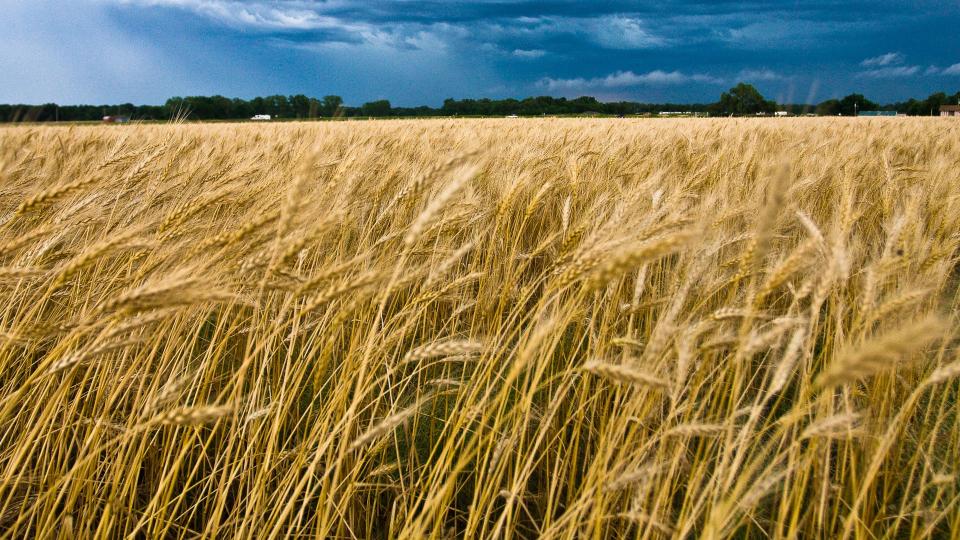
x=549 y=328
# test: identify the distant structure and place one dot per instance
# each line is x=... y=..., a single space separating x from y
x=261 y=117
x=116 y=119
x=877 y=113
x=681 y=114
x=950 y=110
x=781 y=114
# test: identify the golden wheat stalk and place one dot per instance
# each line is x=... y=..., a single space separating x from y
x=647 y=251
x=453 y=347
x=625 y=375
x=694 y=429
x=882 y=352
x=387 y=425
x=838 y=425
x=440 y=200
x=192 y=416
x=256 y=344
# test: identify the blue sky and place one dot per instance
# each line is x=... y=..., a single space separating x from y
x=422 y=51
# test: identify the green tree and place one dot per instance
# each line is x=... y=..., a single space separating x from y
x=830 y=107
x=375 y=108
x=743 y=99
x=854 y=103
x=585 y=104
x=300 y=105
x=932 y=104
x=331 y=106
x=278 y=106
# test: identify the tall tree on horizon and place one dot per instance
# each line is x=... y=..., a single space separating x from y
x=743 y=99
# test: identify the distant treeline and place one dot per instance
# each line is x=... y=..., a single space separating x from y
x=742 y=99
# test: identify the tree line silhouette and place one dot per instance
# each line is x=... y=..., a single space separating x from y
x=741 y=100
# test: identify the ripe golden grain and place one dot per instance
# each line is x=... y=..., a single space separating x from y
x=192 y=416
x=553 y=328
x=444 y=348
x=882 y=352
x=625 y=375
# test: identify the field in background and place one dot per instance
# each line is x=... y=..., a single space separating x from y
x=558 y=328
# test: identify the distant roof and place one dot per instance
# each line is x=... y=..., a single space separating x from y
x=949 y=108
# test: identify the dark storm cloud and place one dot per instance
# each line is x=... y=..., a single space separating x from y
x=422 y=51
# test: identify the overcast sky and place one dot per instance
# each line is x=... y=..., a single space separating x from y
x=420 y=52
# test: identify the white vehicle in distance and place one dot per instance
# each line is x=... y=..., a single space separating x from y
x=260 y=117
x=512 y=116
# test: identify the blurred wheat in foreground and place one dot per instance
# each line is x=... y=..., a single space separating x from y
x=546 y=328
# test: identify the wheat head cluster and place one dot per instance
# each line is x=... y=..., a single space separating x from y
x=550 y=328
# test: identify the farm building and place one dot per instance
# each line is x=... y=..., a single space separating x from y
x=877 y=113
x=950 y=110
x=682 y=114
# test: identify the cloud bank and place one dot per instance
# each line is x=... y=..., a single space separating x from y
x=421 y=51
